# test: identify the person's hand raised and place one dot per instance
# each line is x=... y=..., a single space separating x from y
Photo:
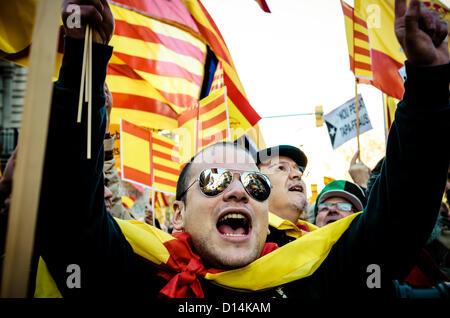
x=421 y=33
x=96 y=13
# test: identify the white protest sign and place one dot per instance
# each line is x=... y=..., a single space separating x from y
x=341 y=122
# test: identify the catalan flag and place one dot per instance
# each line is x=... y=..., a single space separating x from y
x=241 y=114
x=204 y=124
x=213 y=119
x=217 y=82
x=166 y=164
x=128 y=201
x=157 y=67
x=136 y=154
x=358 y=43
x=149 y=159
x=386 y=54
x=263 y=5
x=188 y=133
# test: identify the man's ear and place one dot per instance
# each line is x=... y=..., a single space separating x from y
x=178 y=216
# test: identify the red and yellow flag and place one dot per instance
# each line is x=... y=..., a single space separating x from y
x=166 y=164
x=157 y=66
x=241 y=114
x=386 y=54
x=358 y=43
x=204 y=124
x=128 y=201
x=217 y=82
x=148 y=159
x=136 y=154
x=213 y=119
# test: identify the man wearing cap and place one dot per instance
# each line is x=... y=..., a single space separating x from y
x=337 y=200
x=284 y=165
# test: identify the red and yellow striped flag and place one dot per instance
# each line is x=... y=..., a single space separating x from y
x=213 y=119
x=241 y=114
x=217 y=82
x=204 y=124
x=128 y=201
x=157 y=65
x=148 y=159
x=166 y=164
x=358 y=43
x=136 y=154
x=188 y=133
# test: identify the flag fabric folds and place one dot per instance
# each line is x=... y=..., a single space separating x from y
x=148 y=159
x=241 y=114
x=157 y=66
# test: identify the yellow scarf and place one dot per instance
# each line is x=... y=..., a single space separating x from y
x=290 y=228
x=295 y=260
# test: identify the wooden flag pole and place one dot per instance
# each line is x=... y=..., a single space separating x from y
x=31 y=148
x=357 y=117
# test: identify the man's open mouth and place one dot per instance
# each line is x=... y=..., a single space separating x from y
x=296 y=188
x=234 y=224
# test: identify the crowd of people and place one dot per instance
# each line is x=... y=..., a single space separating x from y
x=242 y=224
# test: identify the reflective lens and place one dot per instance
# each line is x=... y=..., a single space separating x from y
x=256 y=184
x=340 y=206
x=213 y=181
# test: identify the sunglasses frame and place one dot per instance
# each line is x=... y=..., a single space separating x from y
x=233 y=171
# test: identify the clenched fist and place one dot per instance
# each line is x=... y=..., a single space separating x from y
x=97 y=13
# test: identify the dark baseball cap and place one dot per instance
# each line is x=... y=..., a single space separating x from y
x=292 y=152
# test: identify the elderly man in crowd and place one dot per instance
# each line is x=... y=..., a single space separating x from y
x=284 y=165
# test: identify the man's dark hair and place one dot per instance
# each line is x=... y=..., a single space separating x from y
x=184 y=177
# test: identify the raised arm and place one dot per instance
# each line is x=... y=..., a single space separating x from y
x=74 y=226
x=404 y=201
